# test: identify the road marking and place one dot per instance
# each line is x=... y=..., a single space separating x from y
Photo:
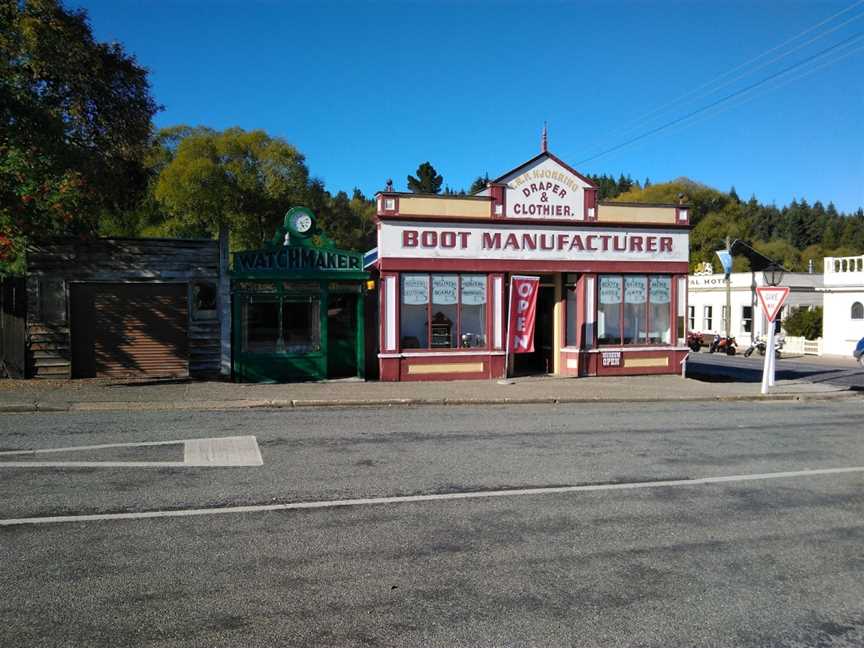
x=214 y=452
x=407 y=499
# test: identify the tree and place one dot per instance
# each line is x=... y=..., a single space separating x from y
x=246 y=180
x=75 y=119
x=734 y=194
x=479 y=184
x=427 y=180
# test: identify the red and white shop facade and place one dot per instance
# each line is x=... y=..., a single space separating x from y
x=613 y=279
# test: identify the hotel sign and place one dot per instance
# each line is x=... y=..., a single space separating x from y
x=506 y=242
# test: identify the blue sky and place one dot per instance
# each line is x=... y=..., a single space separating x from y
x=368 y=90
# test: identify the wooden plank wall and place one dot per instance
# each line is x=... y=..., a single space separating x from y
x=13 y=293
x=116 y=260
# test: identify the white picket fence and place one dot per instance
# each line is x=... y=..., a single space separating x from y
x=802 y=346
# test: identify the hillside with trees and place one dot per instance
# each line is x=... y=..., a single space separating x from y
x=792 y=235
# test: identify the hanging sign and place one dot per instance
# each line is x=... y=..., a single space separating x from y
x=523 y=311
x=444 y=289
x=415 y=289
x=660 y=289
x=635 y=290
x=772 y=299
x=610 y=290
x=473 y=290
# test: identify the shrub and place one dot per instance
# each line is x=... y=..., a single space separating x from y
x=804 y=323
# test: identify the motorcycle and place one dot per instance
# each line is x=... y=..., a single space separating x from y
x=722 y=344
x=760 y=344
x=695 y=341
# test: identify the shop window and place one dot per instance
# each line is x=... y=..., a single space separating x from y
x=857 y=311
x=260 y=326
x=609 y=310
x=52 y=301
x=707 y=318
x=659 y=299
x=301 y=325
x=204 y=301
x=691 y=318
x=724 y=316
x=443 y=311
x=747 y=319
x=271 y=325
x=635 y=298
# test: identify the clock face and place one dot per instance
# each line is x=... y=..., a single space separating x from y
x=302 y=223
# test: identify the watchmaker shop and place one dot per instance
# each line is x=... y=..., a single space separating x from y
x=612 y=279
x=297 y=307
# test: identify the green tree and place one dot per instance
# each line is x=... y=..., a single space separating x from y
x=479 y=184
x=243 y=179
x=805 y=323
x=75 y=119
x=427 y=180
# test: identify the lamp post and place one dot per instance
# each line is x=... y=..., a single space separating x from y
x=772 y=275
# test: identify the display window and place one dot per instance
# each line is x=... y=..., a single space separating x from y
x=634 y=310
x=443 y=311
x=289 y=325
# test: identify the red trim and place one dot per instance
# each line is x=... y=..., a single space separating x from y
x=534 y=221
x=552 y=157
x=383 y=211
x=590 y=202
x=501 y=265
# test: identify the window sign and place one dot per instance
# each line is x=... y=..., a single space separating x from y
x=415 y=289
x=444 y=289
x=610 y=290
x=660 y=288
x=473 y=290
x=635 y=290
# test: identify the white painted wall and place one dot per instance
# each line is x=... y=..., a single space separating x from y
x=844 y=285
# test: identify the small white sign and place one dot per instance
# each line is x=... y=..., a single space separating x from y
x=444 y=289
x=772 y=299
x=473 y=290
x=415 y=289
x=611 y=358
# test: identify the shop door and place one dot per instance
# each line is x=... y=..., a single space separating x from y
x=541 y=360
x=129 y=329
x=341 y=335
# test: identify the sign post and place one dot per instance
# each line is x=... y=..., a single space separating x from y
x=521 y=316
x=771 y=298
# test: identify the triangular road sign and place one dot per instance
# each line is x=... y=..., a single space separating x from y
x=772 y=299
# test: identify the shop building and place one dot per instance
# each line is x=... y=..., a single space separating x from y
x=613 y=279
x=843 y=314
x=114 y=307
x=707 y=302
x=298 y=307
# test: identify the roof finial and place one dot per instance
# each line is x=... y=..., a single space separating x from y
x=544 y=142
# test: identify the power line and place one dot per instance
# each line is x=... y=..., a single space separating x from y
x=724 y=99
x=637 y=123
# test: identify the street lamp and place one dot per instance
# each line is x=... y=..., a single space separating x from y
x=773 y=274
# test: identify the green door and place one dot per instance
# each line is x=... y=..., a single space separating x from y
x=341 y=335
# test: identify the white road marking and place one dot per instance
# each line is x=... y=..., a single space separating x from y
x=407 y=499
x=215 y=452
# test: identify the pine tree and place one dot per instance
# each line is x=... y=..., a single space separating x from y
x=479 y=183
x=734 y=195
x=427 y=180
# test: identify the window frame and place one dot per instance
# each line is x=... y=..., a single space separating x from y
x=747 y=322
x=708 y=316
x=672 y=307
x=860 y=306
x=457 y=325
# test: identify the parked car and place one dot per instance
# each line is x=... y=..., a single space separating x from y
x=858 y=353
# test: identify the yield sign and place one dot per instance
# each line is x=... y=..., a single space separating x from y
x=772 y=299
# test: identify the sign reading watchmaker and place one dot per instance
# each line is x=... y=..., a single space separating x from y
x=504 y=242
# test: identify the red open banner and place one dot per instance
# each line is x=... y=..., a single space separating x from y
x=772 y=298
x=523 y=311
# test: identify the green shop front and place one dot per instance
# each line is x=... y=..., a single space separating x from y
x=297 y=307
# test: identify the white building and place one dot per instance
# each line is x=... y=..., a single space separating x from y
x=706 y=302
x=843 y=314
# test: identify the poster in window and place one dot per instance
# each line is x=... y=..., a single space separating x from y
x=473 y=290
x=635 y=290
x=610 y=290
x=444 y=289
x=660 y=290
x=415 y=289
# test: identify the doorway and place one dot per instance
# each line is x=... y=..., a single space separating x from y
x=341 y=335
x=541 y=360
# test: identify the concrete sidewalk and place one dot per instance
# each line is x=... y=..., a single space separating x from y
x=84 y=395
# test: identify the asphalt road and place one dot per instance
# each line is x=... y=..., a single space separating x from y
x=743 y=562
x=739 y=368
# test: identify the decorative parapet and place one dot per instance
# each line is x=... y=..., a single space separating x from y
x=844 y=271
x=643 y=213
